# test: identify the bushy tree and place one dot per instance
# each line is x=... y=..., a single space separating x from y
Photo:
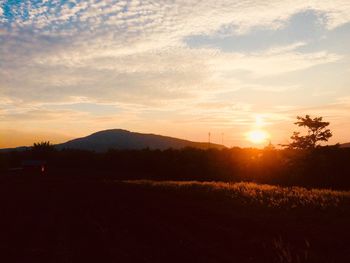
x=316 y=132
x=43 y=146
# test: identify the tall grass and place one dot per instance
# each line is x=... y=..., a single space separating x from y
x=261 y=194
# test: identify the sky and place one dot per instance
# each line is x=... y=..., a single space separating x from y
x=181 y=68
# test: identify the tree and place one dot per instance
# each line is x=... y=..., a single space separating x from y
x=43 y=147
x=316 y=132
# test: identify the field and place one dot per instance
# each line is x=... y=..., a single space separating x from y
x=52 y=220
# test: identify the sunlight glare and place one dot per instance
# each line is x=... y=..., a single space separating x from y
x=259 y=121
x=257 y=136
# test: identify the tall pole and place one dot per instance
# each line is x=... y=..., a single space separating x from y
x=209 y=139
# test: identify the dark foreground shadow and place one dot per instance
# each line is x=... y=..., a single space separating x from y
x=90 y=221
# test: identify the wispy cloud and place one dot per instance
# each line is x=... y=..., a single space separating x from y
x=133 y=55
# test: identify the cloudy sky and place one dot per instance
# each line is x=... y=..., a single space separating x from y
x=174 y=67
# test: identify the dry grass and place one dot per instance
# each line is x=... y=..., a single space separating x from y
x=261 y=194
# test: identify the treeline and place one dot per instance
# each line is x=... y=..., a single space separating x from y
x=326 y=167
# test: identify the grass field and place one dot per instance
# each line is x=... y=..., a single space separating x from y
x=147 y=221
x=268 y=196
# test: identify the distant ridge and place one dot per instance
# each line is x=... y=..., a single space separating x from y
x=16 y=149
x=345 y=145
x=125 y=140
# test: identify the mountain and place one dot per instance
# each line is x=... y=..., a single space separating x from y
x=345 y=145
x=121 y=139
x=17 y=149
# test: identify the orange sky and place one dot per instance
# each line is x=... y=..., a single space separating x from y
x=172 y=68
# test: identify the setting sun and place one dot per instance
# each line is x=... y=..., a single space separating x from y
x=257 y=136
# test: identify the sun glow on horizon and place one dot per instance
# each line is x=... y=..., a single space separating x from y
x=258 y=135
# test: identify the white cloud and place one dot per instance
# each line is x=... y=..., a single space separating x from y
x=132 y=54
x=146 y=76
x=343 y=101
x=264 y=64
x=275 y=88
x=170 y=21
x=149 y=78
x=286 y=48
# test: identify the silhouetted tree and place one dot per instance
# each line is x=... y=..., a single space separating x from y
x=43 y=150
x=43 y=146
x=316 y=132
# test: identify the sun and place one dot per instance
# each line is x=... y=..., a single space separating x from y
x=257 y=136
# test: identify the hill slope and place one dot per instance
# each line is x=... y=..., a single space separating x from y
x=345 y=145
x=121 y=139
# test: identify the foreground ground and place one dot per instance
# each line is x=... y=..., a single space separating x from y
x=45 y=220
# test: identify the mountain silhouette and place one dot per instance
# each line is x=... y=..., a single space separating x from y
x=125 y=140
x=345 y=145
